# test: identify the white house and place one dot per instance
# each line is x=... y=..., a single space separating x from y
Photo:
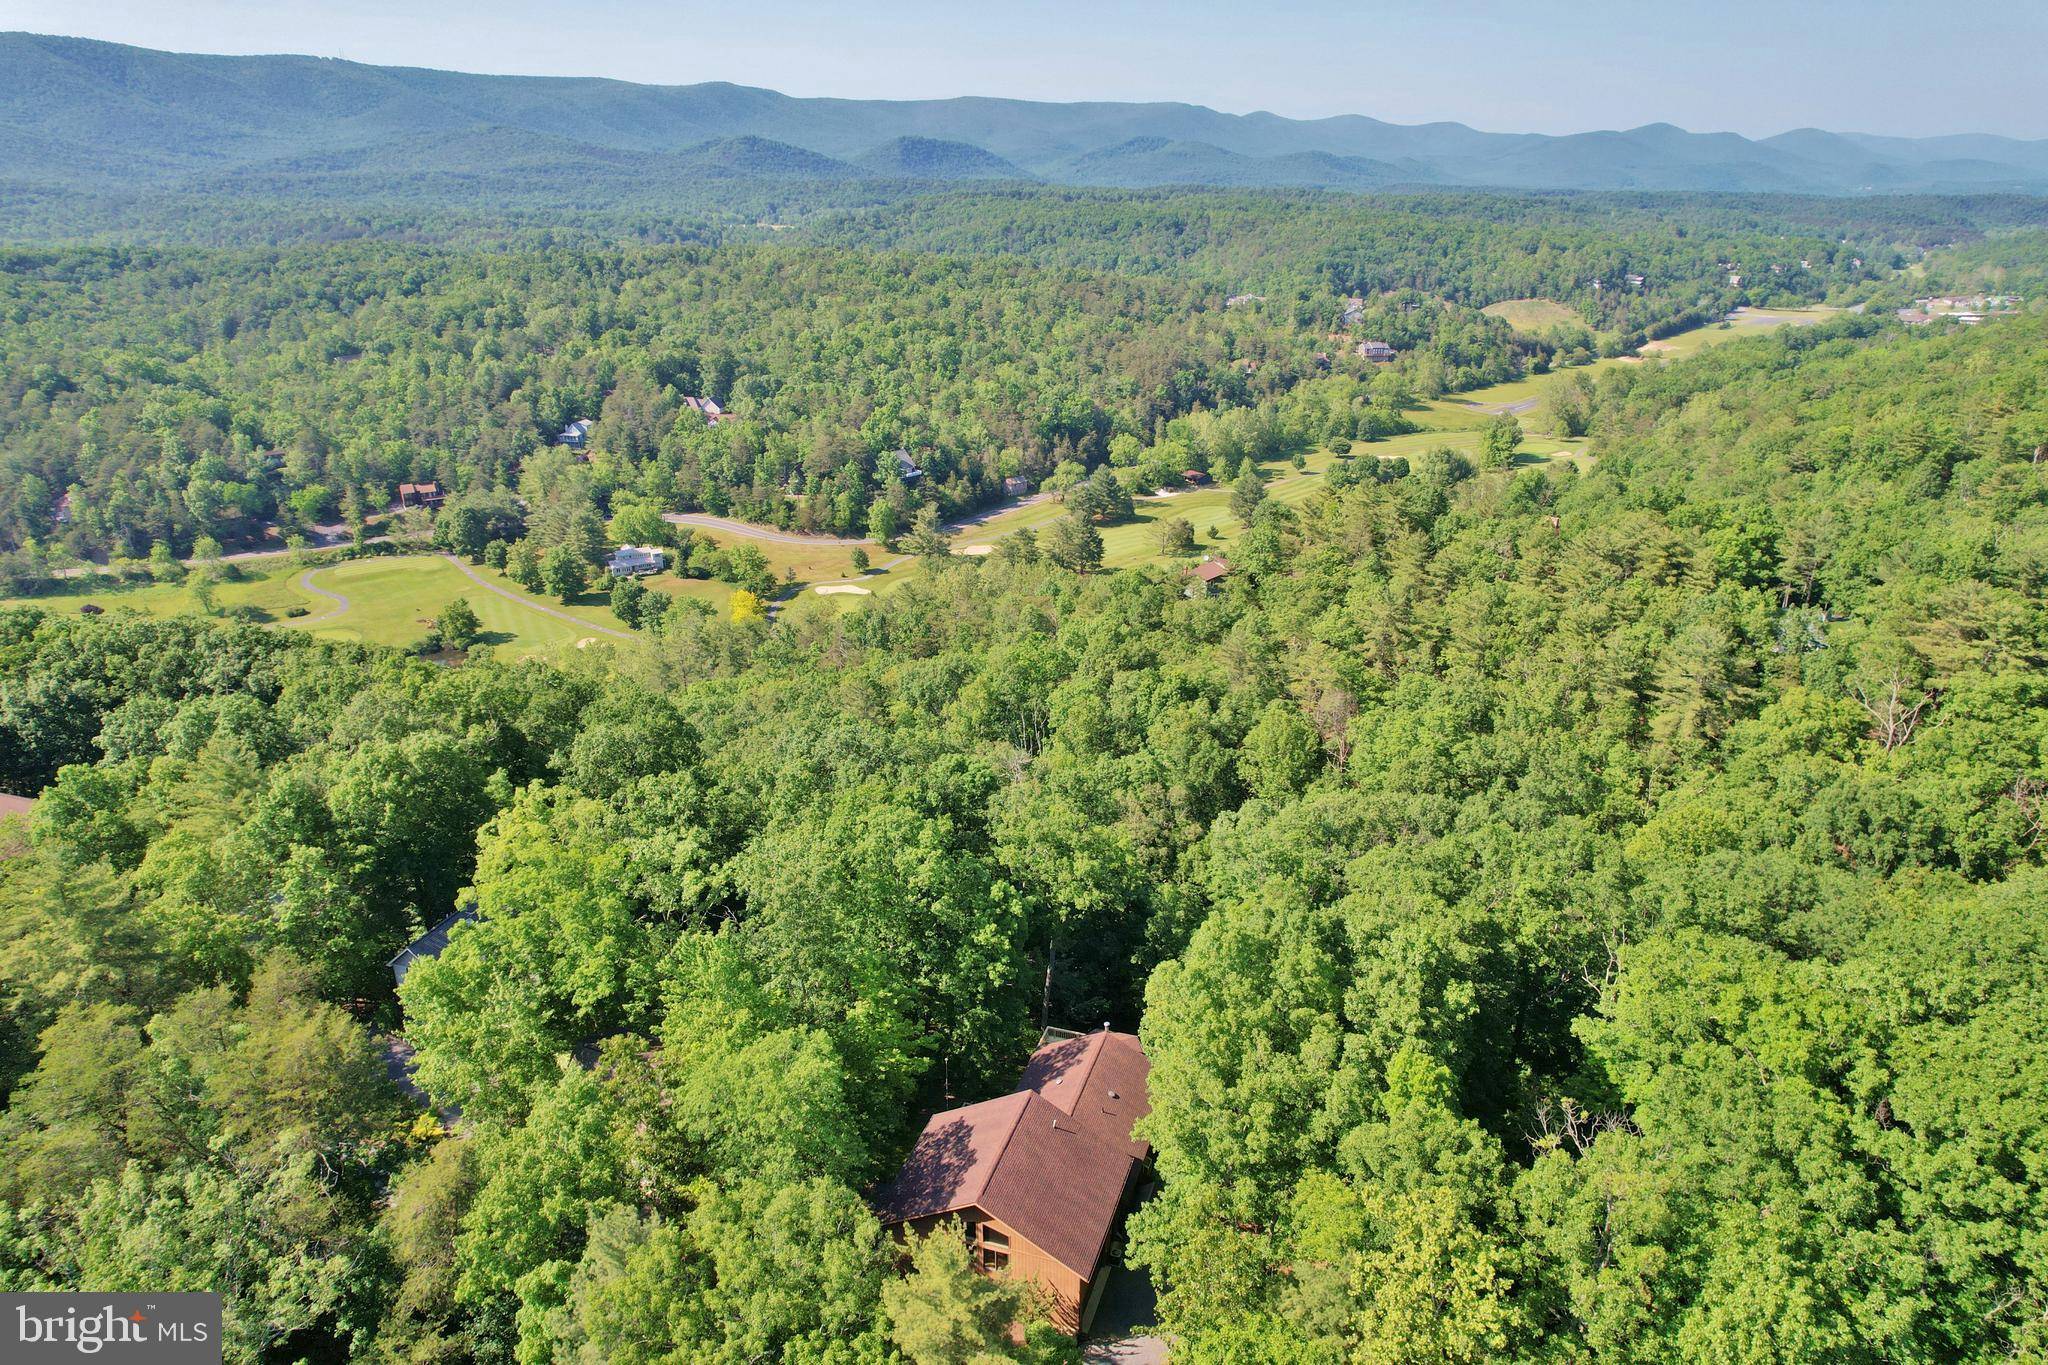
x=906 y=468
x=575 y=434
x=630 y=561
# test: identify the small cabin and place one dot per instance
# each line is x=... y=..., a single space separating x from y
x=1041 y=1178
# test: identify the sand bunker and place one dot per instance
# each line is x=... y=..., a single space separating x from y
x=977 y=549
x=853 y=589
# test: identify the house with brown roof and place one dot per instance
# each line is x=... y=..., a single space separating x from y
x=420 y=495
x=1040 y=1178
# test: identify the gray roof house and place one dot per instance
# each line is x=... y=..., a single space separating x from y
x=906 y=467
x=429 y=944
x=575 y=434
x=629 y=561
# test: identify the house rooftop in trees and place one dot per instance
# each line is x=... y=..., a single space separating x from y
x=1041 y=1173
x=429 y=944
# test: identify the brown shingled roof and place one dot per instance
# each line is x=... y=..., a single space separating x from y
x=1051 y=1160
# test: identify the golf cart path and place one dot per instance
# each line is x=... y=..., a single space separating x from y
x=532 y=605
x=339 y=603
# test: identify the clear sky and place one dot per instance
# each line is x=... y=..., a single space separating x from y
x=1552 y=66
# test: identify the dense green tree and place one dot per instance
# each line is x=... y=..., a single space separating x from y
x=1072 y=542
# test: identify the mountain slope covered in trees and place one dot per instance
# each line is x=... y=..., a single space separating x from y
x=84 y=113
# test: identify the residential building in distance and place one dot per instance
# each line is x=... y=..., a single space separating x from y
x=575 y=435
x=1016 y=486
x=1041 y=1178
x=631 y=561
x=420 y=495
x=1376 y=351
x=906 y=468
x=708 y=409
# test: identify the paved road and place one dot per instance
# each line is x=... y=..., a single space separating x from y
x=238 y=557
x=304 y=583
x=531 y=605
x=1497 y=409
x=751 y=531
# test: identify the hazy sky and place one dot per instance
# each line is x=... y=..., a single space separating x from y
x=1750 y=66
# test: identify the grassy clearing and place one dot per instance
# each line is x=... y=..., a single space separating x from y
x=809 y=563
x=269 y=590
x=393 y=600
x=1533 y=315
x=1747 y=322
x=390 y=600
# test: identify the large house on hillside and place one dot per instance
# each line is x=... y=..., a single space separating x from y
x=1040 y=1178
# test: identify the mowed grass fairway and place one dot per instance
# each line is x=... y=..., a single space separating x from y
x=1746 y=322
x=394 y=600
x=1533 y=315
x=387 y=600
x=269 y=590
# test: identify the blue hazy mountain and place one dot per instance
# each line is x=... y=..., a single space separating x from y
x=85 y=114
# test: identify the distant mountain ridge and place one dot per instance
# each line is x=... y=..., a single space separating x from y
x=85 y=114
